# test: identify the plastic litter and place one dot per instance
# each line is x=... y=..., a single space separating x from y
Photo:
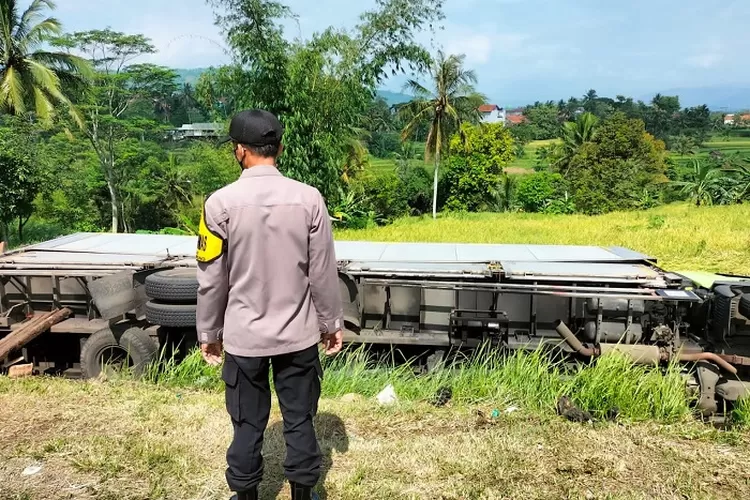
x=31 y=470
x=510 y=409
x=495 y=414
x=387 y=396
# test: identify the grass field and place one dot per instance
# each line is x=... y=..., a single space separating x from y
x=526 y=164
x=728 y=146
x=129 y=441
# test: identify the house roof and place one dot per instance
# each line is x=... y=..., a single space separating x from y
x=487 y=108
x=516 y=119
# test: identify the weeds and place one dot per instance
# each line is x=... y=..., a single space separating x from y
x=530 y=380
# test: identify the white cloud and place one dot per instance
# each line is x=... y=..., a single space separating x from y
x=481 y=45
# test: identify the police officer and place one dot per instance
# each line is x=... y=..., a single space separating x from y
x=268 y=294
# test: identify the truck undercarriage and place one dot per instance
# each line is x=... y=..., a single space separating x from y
x=126 y=294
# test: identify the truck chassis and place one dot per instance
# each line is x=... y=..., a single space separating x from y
x=127 y=296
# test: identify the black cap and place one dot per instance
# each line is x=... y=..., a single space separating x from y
x=254 y=127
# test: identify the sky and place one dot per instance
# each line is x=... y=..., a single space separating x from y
x=521 y=50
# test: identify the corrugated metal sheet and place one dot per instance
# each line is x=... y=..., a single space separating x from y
x=130 y=249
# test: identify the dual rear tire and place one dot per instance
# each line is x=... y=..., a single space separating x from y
x=173 y=296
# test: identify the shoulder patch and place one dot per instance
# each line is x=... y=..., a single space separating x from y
x=210 y=246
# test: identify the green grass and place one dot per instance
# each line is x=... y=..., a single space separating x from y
x=527 y=162
x=726 y=146
x=530 y=380
x=680 y=236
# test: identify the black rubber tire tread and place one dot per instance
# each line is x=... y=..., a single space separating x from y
x=744 y=307
x=143 y=349
x=135 y=341
x=173 y=286
x=170 y=315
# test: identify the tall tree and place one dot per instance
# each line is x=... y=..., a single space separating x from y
x=118 y=86
x=452 y=100
x=320 y=88
x=33 y=79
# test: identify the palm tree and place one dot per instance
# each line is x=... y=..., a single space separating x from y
x=452 y=101
x=576 y=134
x=32 y=78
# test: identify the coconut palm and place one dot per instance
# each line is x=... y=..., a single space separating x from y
x=33 y=79
x=452 y=101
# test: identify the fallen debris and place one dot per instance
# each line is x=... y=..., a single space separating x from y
x=20 y=371
x=387 y=396
x=567 y=409
x=442 y=397
x=31 y=470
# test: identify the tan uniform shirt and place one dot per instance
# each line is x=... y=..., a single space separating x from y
x=272 y=287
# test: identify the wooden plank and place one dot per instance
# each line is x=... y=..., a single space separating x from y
x=36 y=327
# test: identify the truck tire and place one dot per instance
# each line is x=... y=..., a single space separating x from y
x=134 y=350
x=173 y=286
x=170 y=315
x=744 y=307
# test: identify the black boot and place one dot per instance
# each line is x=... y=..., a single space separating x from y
x=246 y=495
x=300 y=492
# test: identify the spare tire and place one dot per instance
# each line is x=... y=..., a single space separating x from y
x=174 y=285
x=133 y=349
x=744 y=307
x=170 y=315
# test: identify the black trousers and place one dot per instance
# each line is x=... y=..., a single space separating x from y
x=296 y=377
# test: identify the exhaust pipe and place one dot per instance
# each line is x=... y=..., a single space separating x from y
x=640 y=354
x=708 y=356
x=575 y=344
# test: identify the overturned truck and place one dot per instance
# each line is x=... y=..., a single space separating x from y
x=85 y=301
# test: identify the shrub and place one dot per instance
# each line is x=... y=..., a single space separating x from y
x=622 y=159
x=535 y=191
x=475 y=166
x=416 y=189
x=384 y=144
x=383 y=195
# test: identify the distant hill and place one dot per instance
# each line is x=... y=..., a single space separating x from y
x=717 y=98
x=394 y=97
x=191 y=76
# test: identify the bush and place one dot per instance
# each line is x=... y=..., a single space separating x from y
x=621 y=161
x=475 y=166
x=383 y=195
x=416 y=189
x=535 y=191
x=384 y=144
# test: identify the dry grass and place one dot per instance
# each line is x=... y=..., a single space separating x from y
x=134 y=441
x=680 y=236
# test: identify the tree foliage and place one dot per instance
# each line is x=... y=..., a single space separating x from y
x=611 y=172
x=118 y=88
x=478 y=156
x=20 y=176
x=452 y=101
x=319 y=88
x=33 y=79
